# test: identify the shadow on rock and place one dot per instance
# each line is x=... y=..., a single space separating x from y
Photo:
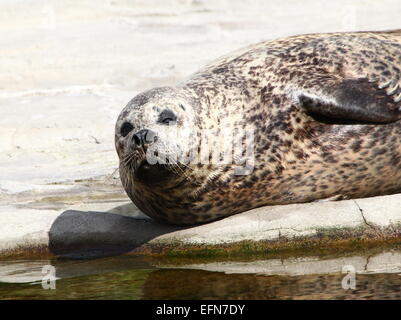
x=87 y=234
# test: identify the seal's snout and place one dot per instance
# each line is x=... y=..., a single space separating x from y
x=143 y=137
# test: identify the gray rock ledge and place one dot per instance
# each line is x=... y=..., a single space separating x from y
x=89 y=233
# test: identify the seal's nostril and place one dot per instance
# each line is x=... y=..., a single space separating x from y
x=143 y=137
x=136 y=139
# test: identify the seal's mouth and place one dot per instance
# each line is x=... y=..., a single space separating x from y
x=135 y=165
x=151 y=174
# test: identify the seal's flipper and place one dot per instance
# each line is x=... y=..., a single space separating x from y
x=353 y=99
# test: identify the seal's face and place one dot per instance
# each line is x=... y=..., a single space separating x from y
x=152 y=132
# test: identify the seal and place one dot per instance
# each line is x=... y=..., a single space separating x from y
x=325 y=113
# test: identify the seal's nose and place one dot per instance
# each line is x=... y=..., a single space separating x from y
x=143 y=137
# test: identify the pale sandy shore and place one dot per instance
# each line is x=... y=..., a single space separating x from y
x=68 y=68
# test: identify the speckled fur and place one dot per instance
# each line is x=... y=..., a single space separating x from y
x=300 y=157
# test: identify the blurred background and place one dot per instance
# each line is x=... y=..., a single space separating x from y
x=68 y=67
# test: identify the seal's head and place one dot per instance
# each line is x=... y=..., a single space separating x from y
x=152 y=134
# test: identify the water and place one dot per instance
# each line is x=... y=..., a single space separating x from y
x=128 y=277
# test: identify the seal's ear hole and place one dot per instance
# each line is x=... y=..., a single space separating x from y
x=167 y=116
x=126 y=128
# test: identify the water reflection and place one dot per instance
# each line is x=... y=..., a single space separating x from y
x=196 y=284
x=128 y=277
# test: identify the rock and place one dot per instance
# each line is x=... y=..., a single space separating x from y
x=77 y=233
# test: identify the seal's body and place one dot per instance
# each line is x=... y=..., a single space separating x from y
x=325 y=111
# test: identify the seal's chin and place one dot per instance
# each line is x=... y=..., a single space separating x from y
x=152 y=174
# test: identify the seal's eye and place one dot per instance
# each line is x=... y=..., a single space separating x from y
x=126 y=128
x=167 y=116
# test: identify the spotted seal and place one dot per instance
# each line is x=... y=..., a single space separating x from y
x=325 y=110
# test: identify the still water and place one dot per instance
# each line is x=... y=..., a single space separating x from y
x=375 y=275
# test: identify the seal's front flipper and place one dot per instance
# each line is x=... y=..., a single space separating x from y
x=352 y=99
